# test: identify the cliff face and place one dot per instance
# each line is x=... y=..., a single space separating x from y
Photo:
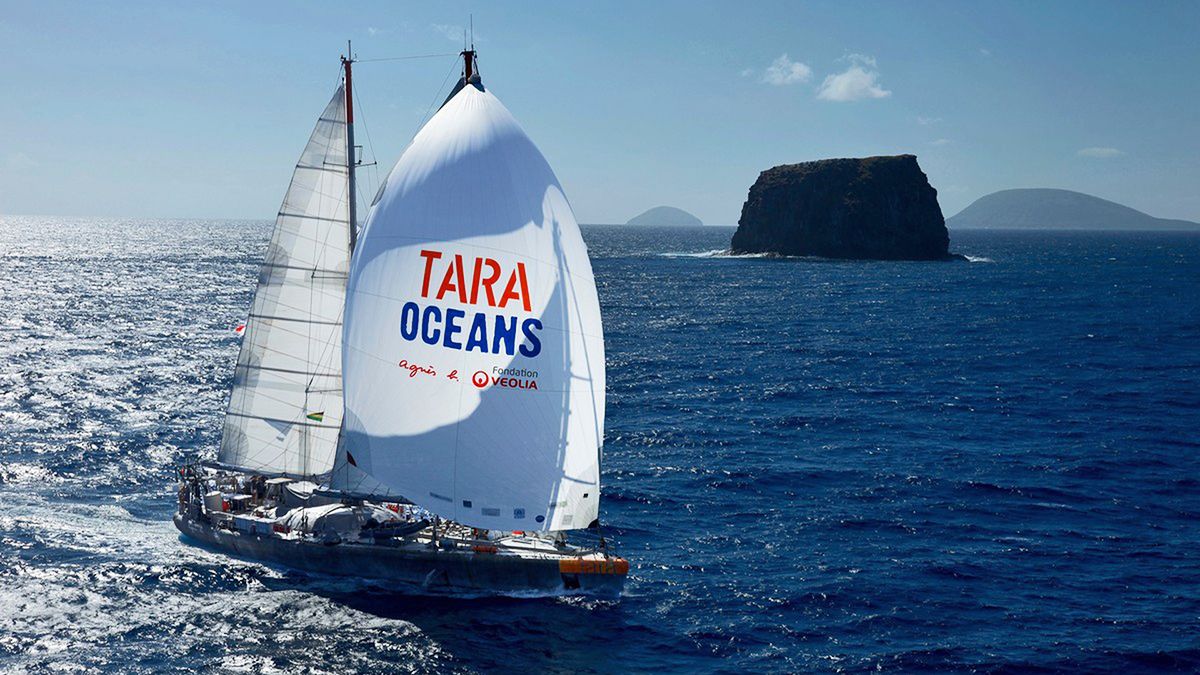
x=873 y=208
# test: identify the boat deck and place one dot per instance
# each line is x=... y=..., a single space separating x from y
x=435 y=554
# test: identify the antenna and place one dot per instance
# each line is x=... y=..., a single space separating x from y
x=468 y=53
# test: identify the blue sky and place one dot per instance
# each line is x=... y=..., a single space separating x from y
x=171 y=109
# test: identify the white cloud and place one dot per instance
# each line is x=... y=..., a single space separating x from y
x=747 y=72
x=927 y=121
x=1102 y=153
x=373 y=31
x=858 y=82
x=940 y=142
x=985 y=51
x=450 y=31
x=784 y=71
x=860 y=59
x=19 y=161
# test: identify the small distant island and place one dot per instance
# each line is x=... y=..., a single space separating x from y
x=1045 y=208
x=665 y=216
x=870 y=208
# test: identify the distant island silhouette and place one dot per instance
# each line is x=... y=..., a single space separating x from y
x=1050 y=209
x=665 y=216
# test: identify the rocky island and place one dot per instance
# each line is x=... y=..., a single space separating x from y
x=870 y=208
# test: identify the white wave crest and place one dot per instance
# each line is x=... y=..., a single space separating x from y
x=716 y=253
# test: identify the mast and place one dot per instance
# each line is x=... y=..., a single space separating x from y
x=468 y=63
x=351 y=160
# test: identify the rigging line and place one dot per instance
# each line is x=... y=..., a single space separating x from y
x=325 y=139
x=374 y=159
x=330 y=336
x=287 y=402
x=441 y=88
x=275 y=230
x=362 y=122
x=277 y=419
x=331 y=147
x=368 y=191
x=407 y=58
x=268 y=306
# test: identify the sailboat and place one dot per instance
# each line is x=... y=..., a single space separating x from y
x=419 y=400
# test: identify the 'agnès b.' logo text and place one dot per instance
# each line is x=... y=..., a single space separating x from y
x=478 y=282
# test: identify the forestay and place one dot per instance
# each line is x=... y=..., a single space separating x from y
x=474 y=363
x=286 y=406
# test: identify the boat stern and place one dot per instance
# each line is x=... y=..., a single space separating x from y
x=594 y=574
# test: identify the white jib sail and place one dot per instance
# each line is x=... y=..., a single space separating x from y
x=286 y=406
x=474 y=363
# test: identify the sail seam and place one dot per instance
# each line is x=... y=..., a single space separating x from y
x=281 y=421
x=292 y=308
x=270 y=317
x=269 y=349
x=311 y=373
x=305 y=314
x=313 y=167
x=247 y=405
x=314 y=270
x=297 y=234
x=305 y=217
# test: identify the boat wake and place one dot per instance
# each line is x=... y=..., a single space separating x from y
x=724 y=253
x=114 y=564
x=390 y=593
x=719 y=253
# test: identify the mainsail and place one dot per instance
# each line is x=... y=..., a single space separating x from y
x=286 y=406
x=474 y=362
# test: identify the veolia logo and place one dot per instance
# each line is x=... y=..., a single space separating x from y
x=507 y=378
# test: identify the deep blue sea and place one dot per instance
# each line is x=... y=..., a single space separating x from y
x=988 y=466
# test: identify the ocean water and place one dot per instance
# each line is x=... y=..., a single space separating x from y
x=814 y=466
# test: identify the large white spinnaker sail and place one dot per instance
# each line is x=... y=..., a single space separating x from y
x=286 y=406
x=474 y=362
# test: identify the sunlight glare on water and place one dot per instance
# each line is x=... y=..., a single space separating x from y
x=813 y=465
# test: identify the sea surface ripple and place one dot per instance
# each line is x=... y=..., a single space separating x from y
x=990 y=466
